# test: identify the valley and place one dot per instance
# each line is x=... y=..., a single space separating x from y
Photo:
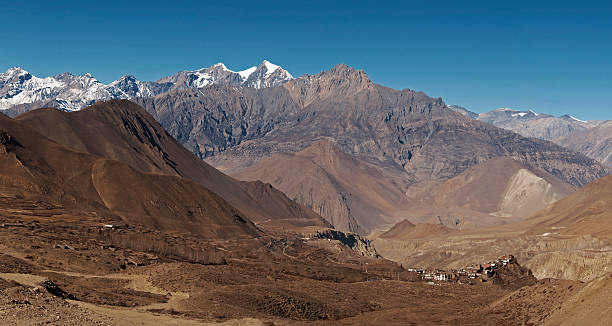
x=281 y=163
x=76 y=268
x=324 y=199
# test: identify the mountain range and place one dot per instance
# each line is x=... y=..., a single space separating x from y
x=400 y=145
x=592 y=138
x=126 y=203
x=411 y=141
x=21 y=90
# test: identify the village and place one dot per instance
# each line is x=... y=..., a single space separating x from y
x=481 y=273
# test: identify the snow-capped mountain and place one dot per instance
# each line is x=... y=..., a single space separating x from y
x=505 y=114
x=18 y=86
x=73 y=92
x=507 y=118
x=262 y=76
x=463 y=111
x=530 y=123
x=131 y=87
x=265 y=75
x=571 y=118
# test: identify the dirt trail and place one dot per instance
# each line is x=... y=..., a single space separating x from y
x=134 y=317
x=140 y=282
x=130 y=316
x=25 y=279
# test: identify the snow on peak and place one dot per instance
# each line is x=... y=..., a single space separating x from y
x=73 y=92
x=15 y=71
x=11 y=73
x=244 y=74
x=571 y=117
x=270 y=67
x=128 y=77
x=516 y=113
x=221 y=65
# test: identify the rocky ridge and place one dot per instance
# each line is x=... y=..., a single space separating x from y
x=21 y=91
x=592 y=138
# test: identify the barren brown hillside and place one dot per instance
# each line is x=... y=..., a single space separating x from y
x=502 y=187
x=36 y=168
x=123 y=131
x=586 y=212
x=351 y=194
x=405 y=230
x=358 y=195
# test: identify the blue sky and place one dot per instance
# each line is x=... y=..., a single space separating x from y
x=551 y=57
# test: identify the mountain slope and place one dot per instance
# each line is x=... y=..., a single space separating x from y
x=405 y=230
x=588 y=306
x=415 y=139
x=123 y=131
x=587 y=211
x=464 y=111
x=398 y=229
x=400 y=128
x=503 y=187
x=35 y=168
x=592 y=138
x=352 y=195
x=531 y=124
x=595 y=142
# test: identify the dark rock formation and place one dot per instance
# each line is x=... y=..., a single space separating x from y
x=361 y=245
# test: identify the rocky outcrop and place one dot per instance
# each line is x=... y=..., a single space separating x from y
x=361 y=245
x=513 y=276
x=6 y=142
